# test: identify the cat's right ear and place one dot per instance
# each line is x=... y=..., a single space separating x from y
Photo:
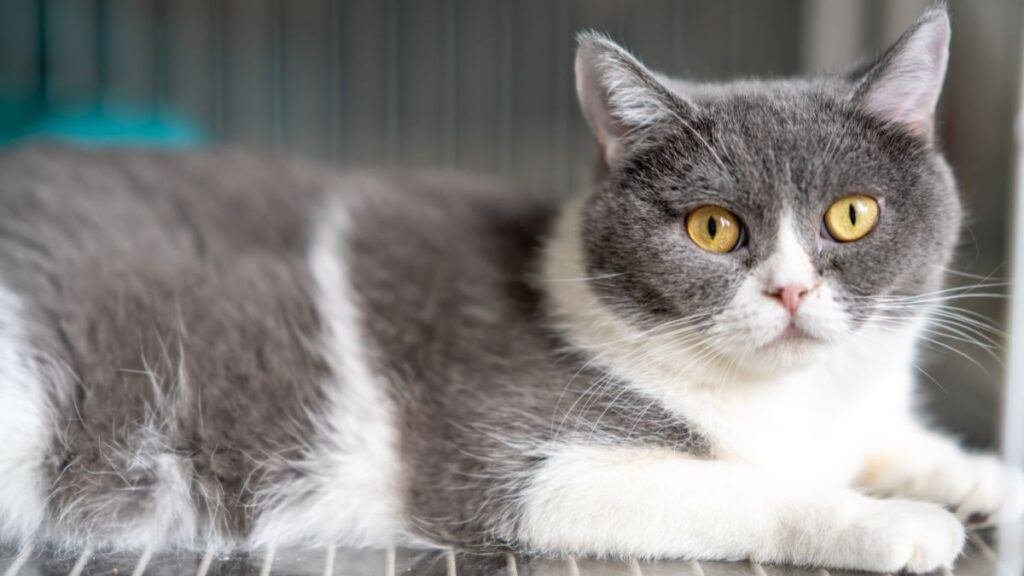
x=902 y=88
x=621 y=99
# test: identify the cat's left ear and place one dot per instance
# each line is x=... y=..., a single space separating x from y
x=903 y=86
x=622 y=100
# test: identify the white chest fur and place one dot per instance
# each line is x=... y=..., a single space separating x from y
x=817 y=422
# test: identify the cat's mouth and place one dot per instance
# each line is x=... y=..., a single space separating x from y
x=793 y=335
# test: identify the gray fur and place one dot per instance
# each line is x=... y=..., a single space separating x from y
x=173 y=291
x=175 y=300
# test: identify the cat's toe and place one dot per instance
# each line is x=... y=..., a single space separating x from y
x=997 y=495
x=905 y=536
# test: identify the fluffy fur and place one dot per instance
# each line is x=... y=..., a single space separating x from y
x=215 y=350
x=350 y=490
x=25 y=423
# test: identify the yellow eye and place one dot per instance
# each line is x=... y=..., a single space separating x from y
x=714 y=229
x=851 y=217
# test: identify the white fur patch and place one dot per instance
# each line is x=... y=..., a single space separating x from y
x=790 y=264
x=656 y=503
x=26 y=427
x=351 y=495
x=170 y=519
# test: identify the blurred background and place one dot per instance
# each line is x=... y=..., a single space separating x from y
x=486 y=85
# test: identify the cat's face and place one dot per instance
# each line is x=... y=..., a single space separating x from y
x=764 y=222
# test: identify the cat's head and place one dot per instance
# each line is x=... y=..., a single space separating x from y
x=766 y=219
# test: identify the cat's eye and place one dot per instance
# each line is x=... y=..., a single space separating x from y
x=714 y=229
x=851 y=217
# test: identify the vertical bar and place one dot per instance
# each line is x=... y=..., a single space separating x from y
x=563 y=177
x=389 y=561
x=833 y=33
x=19 y=561
x=251 y=97
x=102 y=43
x=204 y=564
x=678 y=30
x=449 y=563
x=898 y=16
x=1011 y=539
x=335 y=59
x=83 y=559
x=161 y=60
x=329 y=561
x=130 y=56
x=140 y=565
x=268 y=561
x=19 y=55
x=478 y=143
x=537 y=73
x=366 y=68
x=451 y=83
x=733 y=48
x=42 y=95
x=278 y=74
x=218 y=70
x=306 y=87
x=188 y=53
x=508 y=81
x=571 y=568
x=394 y=48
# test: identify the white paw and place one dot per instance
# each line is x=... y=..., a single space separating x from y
x=900 y=536
x=996 y=493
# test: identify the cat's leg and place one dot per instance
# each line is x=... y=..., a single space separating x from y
x=658 y=503
x=921 y=464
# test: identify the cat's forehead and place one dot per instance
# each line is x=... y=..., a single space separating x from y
x=796 y=138
x=795 y=114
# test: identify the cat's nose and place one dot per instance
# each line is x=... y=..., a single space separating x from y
x=790 y=296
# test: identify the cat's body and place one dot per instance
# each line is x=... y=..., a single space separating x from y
x=214 y=349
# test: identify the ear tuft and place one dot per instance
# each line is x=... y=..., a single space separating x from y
x=904 y=85
x=620 y=98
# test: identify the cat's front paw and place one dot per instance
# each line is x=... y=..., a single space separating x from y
x=995 y=495
x=901 y=536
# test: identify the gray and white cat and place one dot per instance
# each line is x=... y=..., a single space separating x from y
x=708 y=353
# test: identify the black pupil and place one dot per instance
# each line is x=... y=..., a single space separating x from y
x=712 y=227
x=853 y=215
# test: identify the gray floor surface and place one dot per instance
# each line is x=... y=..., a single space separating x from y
x=979 y=559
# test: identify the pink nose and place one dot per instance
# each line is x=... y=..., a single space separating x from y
x=790 y=296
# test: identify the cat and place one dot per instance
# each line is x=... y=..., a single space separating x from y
x=708 y=353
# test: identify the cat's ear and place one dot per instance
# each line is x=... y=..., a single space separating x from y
x=621 y=99
x=903 y=86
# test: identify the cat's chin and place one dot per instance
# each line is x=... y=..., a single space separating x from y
x=792 y=349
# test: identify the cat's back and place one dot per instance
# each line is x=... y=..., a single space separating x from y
x=217 y=203
x=181 y=336
x=115 y=202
